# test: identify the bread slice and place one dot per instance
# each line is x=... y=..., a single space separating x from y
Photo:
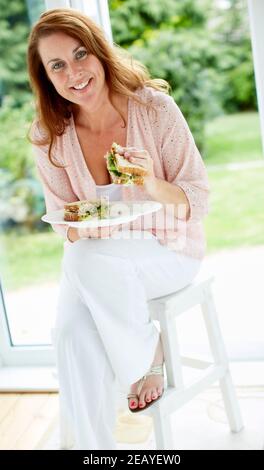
x=86 y=209
x=75 y=206
x=121 y=170
x=127 y=179
x=71 y=216
x=124 y=166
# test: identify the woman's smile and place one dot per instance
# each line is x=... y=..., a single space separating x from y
x=87 y=86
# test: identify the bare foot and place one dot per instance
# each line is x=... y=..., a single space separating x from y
x=153 y=385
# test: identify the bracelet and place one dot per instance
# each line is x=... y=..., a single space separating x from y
x=68 y=235
x=79 y=233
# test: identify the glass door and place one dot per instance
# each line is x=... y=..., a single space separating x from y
x=30 y=251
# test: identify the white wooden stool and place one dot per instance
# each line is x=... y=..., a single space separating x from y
x=165 y=310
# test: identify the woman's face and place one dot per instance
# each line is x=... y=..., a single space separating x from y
x=68 y=64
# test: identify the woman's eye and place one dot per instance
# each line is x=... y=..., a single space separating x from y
x=54 y=66
x=81 y=54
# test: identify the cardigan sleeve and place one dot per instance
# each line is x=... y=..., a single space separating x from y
x=183 y=164
x=55 y=183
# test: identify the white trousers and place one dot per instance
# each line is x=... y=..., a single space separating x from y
x=103 y=335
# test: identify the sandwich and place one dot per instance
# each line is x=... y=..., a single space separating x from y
x=121 y=170
x=86 y=209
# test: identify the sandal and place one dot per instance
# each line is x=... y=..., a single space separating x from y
x=154 y=370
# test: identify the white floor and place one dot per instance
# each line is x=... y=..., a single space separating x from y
x=200 y=424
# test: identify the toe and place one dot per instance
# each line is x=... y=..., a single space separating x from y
x=142 y=402
x=148 y=396
x=133 y=403
x=154 y=394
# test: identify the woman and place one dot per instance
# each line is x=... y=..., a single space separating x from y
x=88 y=95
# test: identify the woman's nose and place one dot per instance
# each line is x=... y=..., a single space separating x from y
x=75 y=71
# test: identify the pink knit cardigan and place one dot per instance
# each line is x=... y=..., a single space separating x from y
x=167 y=138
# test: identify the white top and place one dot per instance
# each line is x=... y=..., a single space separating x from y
x=112 y=190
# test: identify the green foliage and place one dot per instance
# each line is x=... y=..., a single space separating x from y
x=14 y=30
x=167 y=37
x=21 y=195
x=235 y=69
x=188 y=71
x=15 y=153
x=131 y=19
x=200 y=48
x=236 y=77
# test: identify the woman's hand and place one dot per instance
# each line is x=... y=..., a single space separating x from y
x=98 y=232
x=139 y=157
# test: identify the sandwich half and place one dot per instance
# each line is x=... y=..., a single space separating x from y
x=86 y=210
x=121 y=170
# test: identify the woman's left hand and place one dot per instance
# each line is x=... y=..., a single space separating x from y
x=139 y=157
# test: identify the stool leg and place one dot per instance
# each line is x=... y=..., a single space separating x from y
x=220 y=357
x=231 y=402
x=171 y=350
x=161 y=420
x=162 y=430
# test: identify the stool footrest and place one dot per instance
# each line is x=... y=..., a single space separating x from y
x=174 y=399
x=195 y=363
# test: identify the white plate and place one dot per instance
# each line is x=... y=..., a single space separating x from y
x=120 y=212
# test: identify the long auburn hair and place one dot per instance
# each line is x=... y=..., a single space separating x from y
x=123 y=74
